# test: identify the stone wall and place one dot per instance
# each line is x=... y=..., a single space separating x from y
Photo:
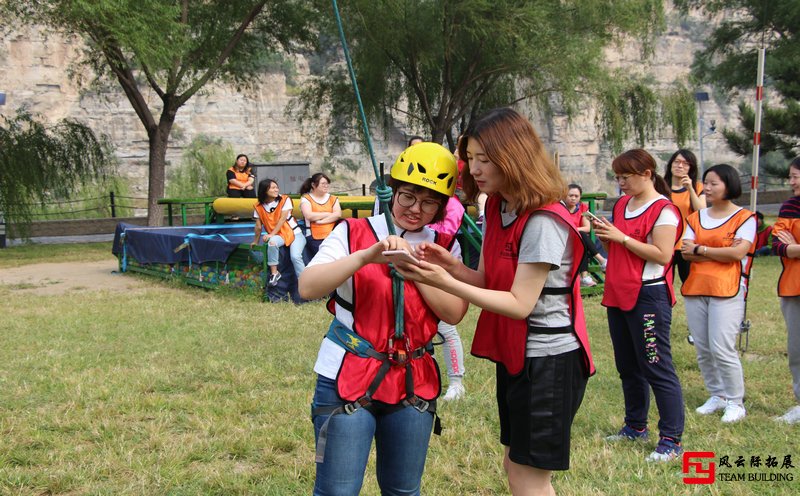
x=34 y=67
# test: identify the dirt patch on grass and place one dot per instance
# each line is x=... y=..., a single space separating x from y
x=59 y=278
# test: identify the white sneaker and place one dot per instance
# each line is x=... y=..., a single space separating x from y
x=713 y=404
x=733 y=413
x=454 y=391
x=587 y=281
x=790 y=417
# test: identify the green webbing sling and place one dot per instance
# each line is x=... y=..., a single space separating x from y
x=383 y=192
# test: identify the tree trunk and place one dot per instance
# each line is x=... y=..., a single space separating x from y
x=157 y=168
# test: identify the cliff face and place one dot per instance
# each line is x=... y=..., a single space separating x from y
x=34 y=67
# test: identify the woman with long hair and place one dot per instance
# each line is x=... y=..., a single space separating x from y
x=686 y=192
x=639 y=298
x=273 y=213
x=532 y=324
x=718 y=241
x=786 y=240
x=372 y=383
x=321 y=210
x=240 y=178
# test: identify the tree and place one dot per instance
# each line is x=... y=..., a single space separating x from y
x=172 y=49
x=730 y=58
x=438 y=63
x=38 y=163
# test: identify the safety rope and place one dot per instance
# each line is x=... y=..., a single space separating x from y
x=383 y=192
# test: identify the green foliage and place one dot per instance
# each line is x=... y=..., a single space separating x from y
x=202 y=169
x=436 y=64
x=171 y=49
x=91 y=200
x=730 y=58
x=40 y=163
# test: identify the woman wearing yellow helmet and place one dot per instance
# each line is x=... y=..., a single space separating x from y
x=532 y=323
x=362 y=391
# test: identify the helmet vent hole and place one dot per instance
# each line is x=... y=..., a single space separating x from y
x=410 y=169
x=442 y=175
x=449 y=182
x=421 y=168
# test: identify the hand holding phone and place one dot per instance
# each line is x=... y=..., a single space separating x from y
x=400 y=256
x=593 y=217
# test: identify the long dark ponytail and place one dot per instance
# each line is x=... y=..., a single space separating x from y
x=638 y=161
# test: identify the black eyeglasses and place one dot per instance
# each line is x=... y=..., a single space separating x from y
x=408 y=200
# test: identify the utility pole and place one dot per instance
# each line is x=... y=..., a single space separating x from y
x=2 y=218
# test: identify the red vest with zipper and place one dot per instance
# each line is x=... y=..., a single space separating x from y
x=624 y=269
x=502 y=339
x=373 y=314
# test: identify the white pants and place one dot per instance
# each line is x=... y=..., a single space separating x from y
x=790 y=306
x=714 y=324
x=453 y=350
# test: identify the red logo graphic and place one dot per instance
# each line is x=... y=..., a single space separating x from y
x=702 y=475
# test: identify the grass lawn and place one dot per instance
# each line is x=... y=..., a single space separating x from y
x=168 y=389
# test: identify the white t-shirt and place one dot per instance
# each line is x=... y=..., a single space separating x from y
x=746 y=231
x=337 y=246
x=667 y=217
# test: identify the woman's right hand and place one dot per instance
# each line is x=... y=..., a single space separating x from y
x=436 y=254
x=686 y=182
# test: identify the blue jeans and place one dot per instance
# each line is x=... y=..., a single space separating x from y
x=295 y=251
x=401 y=445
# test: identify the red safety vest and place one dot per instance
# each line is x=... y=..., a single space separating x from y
x=502 y=339
x=373 y=314
x=624 y=270
x=713 y=278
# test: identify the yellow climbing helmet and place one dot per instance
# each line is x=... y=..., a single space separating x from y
x=429 y=165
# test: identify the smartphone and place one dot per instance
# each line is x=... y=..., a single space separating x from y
x=593 y=217
x=400 y=256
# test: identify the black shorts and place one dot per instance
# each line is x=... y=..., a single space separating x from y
x=537 y=408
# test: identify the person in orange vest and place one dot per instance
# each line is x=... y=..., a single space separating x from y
x=532 y=323
x=786 y=234
x=273 y=213
x=321 y=210
x=687 y=194
x=718 y=241
x=639 y=297
x=241 y=179
x=373 y=384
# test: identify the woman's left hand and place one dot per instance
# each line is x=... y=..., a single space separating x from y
x=606 y=231
x=785 y=237
x=424 y=272
x=687 y=247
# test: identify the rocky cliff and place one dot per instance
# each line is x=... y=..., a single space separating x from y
x=35 y=66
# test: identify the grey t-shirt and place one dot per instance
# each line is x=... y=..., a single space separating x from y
x=546 y=240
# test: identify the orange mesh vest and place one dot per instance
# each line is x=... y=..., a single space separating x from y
x=270 y=219
x=789 y=282
x=321 y=231
x=683 y=200
x=712 y=278
x=242 y=176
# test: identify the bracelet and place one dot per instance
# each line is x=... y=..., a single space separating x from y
x=625 y=240
x=696 y=247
